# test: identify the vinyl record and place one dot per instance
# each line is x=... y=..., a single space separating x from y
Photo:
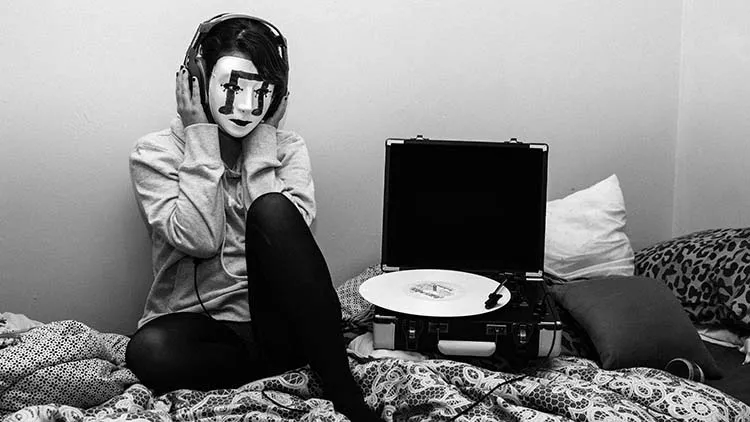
x=436 y=293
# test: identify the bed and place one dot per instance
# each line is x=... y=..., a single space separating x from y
x=612 y=365
x=66 y=371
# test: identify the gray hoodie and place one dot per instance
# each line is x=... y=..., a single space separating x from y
x=194 y=208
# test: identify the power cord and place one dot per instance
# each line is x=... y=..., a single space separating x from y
x=539 y=366
x=198 y=295
x=267 y=397
x=463 y=412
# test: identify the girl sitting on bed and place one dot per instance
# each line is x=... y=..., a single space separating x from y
x=241 y=289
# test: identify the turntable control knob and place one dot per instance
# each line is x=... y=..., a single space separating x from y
x=412 y=333
x=411 y=338
x=523 y=335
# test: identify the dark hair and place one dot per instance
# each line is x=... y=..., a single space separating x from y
x=256 y=40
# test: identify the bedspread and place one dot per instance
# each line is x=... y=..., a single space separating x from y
x=564 y=389
x=64 y=362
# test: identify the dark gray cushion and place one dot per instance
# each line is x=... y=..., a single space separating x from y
x=634 y=322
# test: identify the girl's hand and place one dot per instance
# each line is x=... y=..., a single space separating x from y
x=189 y=105
x=278 y=114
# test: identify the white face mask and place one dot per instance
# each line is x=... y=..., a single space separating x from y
x=237 y=96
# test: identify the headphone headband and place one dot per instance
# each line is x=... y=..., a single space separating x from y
x=205 y=27
x=197 y=67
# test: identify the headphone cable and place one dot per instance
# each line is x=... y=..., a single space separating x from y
x=195 y=285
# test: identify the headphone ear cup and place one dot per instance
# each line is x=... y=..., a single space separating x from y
x=196 y=68
x=200 y=73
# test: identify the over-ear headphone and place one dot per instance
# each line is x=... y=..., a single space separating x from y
x=197 y=67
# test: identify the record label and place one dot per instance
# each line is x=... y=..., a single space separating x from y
x=439 y=293
x=434 y=290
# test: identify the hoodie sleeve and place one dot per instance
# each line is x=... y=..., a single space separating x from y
x=181 y=198
x=276 y=161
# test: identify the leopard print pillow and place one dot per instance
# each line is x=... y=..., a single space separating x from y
x=708 y=271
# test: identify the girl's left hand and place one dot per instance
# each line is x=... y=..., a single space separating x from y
x=278 y=114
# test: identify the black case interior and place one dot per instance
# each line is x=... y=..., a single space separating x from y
x=472 y=206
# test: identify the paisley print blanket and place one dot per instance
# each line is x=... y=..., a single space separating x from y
x=562 y=389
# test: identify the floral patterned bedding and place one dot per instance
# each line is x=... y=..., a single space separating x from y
x=564 y=389
x=67 y=372
x=435 y=390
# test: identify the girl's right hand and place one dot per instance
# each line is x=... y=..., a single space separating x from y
x=189 y=105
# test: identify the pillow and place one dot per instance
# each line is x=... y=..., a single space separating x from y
x=353 y=304
x=585 y=234
x=634 y=322
x=356 y=312
x=63 y=362
x=708 y=271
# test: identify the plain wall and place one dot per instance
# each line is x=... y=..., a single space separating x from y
x=81 y=81
x=712 y=188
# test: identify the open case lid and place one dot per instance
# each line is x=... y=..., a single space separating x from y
x=476 y=206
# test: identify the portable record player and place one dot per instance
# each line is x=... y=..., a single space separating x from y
x=463 y=250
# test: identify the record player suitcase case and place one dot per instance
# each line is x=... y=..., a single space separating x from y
x=476 y=207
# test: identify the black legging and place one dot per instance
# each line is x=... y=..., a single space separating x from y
x=296 y=319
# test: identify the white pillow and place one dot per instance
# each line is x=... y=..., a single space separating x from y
x=585 y=234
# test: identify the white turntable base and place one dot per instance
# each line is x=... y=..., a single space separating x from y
x=435 y=293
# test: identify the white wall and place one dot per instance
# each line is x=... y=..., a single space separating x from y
x=712 y=188
x=597 y=80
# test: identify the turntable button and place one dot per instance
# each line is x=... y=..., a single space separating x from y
x=496 y=329
x=412 y=333
x=411 y=336
x=523 y=335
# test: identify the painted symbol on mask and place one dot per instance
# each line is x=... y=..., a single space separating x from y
x=232 y=88
x=262 y=92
